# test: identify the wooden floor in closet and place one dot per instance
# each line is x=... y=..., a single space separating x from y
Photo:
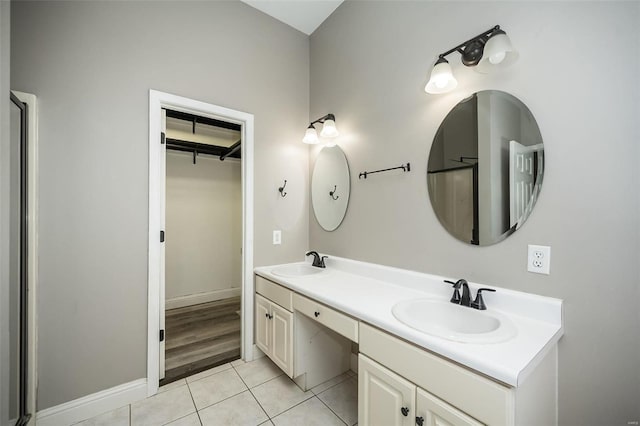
x=201 y=336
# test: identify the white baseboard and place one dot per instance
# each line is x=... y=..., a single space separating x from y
x=92 y=405
x=195 y=299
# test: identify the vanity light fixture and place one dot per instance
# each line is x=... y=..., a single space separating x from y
x=329 y=130
x=485 y=51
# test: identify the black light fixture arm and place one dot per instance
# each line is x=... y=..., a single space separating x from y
x=323 y=119
x=462 y=47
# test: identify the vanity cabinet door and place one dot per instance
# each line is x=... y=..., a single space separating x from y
x=281 y=338
x=435 y=412
x=263 y=324
x=384 y=398
x=274 y=333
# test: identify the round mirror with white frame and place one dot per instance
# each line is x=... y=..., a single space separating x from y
x=330 y=187
x=485 y=167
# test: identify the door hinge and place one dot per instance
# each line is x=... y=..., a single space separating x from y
x=162 y=335
x=162 y=138
x=162 y=236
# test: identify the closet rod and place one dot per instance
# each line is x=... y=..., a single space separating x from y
x=231 y=150
x=199 y=148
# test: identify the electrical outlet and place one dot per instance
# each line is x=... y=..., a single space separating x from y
x=277 y=237
x=539 y=259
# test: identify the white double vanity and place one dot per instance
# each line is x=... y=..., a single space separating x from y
x=421 y=359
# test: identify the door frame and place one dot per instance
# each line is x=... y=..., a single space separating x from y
x=157 y=101
x=32 y=248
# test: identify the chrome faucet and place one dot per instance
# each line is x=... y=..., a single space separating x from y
x=317 y=260
x=465 y=299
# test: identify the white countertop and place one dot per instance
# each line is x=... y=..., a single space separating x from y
x=368 y=292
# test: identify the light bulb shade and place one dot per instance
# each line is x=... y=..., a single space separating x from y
x=442 y=79
x=311 y=136
x=329 y=129
x=498 y=53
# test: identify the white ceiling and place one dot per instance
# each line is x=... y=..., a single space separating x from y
x=303 y=15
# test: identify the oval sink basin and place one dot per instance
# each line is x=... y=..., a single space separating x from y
x=296 y=270
x=454 y=322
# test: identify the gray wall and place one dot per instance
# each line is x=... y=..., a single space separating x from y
x=5 y=33
x=91 y=64
x=369 y=64
x=203 y=225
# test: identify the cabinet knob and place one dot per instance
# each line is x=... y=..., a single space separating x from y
x=405 y=411
x=316 y=314
x=420 y=421
x=266 y=315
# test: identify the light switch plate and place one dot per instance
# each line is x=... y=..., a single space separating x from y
x=277 y=237
x=539 y=259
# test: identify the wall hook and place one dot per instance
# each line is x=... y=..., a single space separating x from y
x=281 y=189
x=333 y=192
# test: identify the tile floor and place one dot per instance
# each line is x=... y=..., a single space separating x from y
x=239 y=393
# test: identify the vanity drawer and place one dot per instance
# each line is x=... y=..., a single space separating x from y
x=484 y=399
x=336 y=321
x=275 y=292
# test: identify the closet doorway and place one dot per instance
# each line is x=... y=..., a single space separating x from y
x=203 y=243
x=200 y=237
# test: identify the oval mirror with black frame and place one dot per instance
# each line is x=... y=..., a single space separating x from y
x=330 y=187
x=485 y=167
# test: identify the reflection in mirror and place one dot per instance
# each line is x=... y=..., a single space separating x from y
x=330 y=187
x=485 y=167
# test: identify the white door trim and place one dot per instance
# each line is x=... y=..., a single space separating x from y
x=162 y=208
x=157 y=101
x=32 y=243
